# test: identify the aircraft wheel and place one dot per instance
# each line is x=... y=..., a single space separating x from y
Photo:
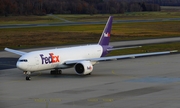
x=52 y=72
x=28 y=78
x=89 y=74
x=56 y=72
x=59 y=72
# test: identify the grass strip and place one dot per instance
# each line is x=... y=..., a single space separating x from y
x=85 y=18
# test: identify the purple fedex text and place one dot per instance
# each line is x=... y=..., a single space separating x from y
x=51 y=59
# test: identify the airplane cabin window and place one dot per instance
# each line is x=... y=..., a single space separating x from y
x=23 y=60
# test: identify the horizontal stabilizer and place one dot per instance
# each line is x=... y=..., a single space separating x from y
x=123 y=48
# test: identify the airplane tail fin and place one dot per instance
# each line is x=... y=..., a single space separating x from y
x=105 y=37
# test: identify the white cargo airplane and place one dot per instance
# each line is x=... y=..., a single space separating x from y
x=82 y=58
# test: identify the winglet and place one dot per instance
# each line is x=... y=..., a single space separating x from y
x=105 y=37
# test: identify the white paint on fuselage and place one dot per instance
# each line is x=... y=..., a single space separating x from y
x=35 y=62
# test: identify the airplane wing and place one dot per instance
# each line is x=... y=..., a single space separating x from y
x=15 y=51
x=119 y=57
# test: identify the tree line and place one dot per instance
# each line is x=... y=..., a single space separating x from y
x=160 y=2
x=43 y=7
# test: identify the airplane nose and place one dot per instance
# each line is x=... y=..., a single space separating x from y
x=20 y=65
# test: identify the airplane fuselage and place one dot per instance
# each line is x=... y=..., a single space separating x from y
x=55 y=58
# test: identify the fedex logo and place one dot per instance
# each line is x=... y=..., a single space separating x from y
x=106 y=34
x=50 y=59
x=89 y=67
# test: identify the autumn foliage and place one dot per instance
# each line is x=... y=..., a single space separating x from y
x=42 y=7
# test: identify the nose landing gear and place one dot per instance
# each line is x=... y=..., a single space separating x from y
x=28 y=77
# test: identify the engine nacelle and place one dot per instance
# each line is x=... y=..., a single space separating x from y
x=83 y=68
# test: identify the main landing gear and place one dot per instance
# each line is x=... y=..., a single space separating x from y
x=56 y=72
x=28 y=77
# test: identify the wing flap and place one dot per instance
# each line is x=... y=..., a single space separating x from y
x=119 y=57
x=15 y=51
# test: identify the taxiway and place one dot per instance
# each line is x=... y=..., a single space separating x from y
x=150 y=82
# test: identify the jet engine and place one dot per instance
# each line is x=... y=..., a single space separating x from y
x=83 y=68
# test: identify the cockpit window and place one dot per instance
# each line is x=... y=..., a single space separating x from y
x=23 y=60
